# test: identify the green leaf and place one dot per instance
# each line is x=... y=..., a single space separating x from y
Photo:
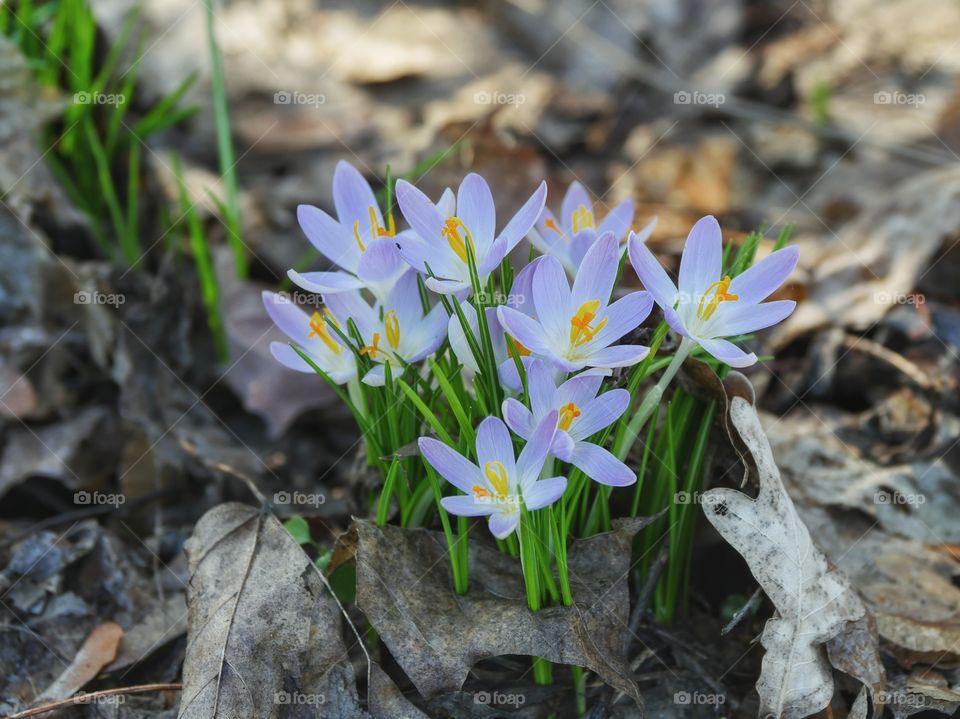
x=299 y=529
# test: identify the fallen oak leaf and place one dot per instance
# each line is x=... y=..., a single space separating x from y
x=814 y=600
x=436 y=636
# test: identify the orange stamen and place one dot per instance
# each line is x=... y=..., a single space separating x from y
x=568 y=413
x=721 y=293
x=451 y=230
x=318 y=328
x=372 y=350
x=581 y=331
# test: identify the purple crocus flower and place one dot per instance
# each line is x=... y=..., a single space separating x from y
x=442 y=240
x=570 y=236
x=499 y=485
x=574 y=327
x=580 y=414
x=359 y=241
x=396 y=332
x=311 y=333
x=708 y=307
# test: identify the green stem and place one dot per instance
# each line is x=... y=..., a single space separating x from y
x=652 y=400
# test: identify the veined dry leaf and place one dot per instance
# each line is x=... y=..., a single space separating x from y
x=814 y=600
x=264 y=636
x=404 y=588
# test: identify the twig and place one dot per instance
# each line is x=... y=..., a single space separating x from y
x=749 y=608
x=93 y=696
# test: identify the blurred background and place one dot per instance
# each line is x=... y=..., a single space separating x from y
x=152 y=155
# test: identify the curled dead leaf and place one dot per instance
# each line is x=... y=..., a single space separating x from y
x=404 y=588
x=814 y=600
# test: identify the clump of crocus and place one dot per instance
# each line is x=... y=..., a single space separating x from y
x=500 y=483
x=429 y=305
x=575 y=327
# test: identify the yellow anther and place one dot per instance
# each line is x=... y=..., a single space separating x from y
x=318 y=328
x=373 y=349
x=582 y=219
x=451 y=230
x=392 y=326
x=568 y=413
x=356 y=236
x=581 y=331
x=720 y=294
x=376 y=231
x=496 y=475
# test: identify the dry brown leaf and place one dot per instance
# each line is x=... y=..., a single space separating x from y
x=814 y=600
x=98 y=650
x=874 y=263
x=404 y=588
x=264 y=635
x=166 y=622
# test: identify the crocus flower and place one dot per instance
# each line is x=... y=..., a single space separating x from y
x=396 y=332
x=569 y=237
x=359 y=241
x=708 y=307
x=580 y=414
x=575 y=327
x=441 y=241
x=499 y=485
x=311 y=333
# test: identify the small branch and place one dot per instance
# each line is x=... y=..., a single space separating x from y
x=749 y=608
x=93 y=696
